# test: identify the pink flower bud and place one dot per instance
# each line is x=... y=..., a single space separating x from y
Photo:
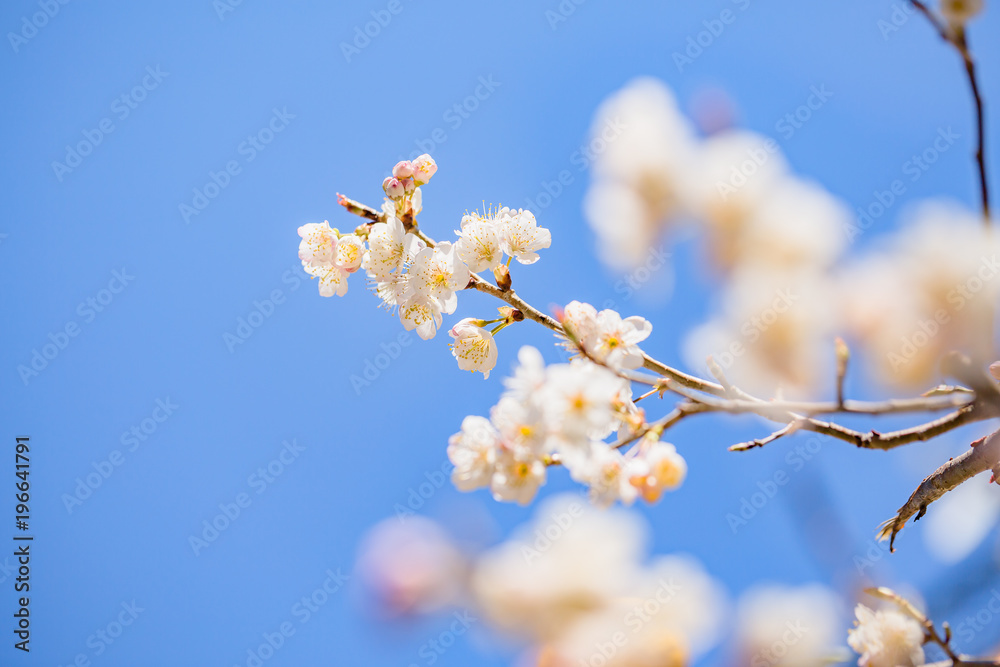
x=423 y=168
x=403 y=169
x=408 y=185
x=393 y=187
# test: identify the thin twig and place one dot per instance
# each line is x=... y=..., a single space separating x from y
x=959 y=40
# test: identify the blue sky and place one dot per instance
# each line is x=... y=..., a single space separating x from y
x=139 y=299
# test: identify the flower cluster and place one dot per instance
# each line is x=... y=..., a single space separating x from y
x=574 y=587
x=930 y=289
x=420 y=280
x=886 y=638
x=563 y=413
x=575 y=579
x=778 y=239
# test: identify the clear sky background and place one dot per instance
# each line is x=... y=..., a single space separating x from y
x=220 y=78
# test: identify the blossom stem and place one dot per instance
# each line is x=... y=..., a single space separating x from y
x=959 y=40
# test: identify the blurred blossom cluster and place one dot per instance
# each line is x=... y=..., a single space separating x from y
x=778 y=240
x=575 y=586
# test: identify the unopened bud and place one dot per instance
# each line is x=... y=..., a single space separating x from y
x=502 y=276
x=393 y=187
x=423 y=168
x=408 y=185
x=403 y=169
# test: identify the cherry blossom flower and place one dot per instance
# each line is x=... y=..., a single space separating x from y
x=332 y=278
x=930 y=289
x=656 y=469
x=390 y=248
x=423 y=168
x=473 y=452
x=520 y=235
x=349 y=253
x=410 y=567
x=642 y=175
x=572 y=561
x=886 y=638
x=605 y=336
x=606 y=475
x=517 y=477
x=521 y=423
x=615 y=340
x=581 y=320
x=438 y=272
x=479 y=242
x=318 y=243
x=528 y=376
x=422 y=313
x=474 y=347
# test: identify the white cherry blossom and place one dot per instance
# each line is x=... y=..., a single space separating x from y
x=390 y=248
x=473 y=453
x=615 y=340
x=474 y=347
x=529 y=374
x=318 y=243
x=656 y=469
x=607 y=476
x=422 y=313
x=332 y=278
x=478 y=244
x=886 y=638
x=517 y=476
x=438 y=272
x=349 y=253
x=520 y=235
